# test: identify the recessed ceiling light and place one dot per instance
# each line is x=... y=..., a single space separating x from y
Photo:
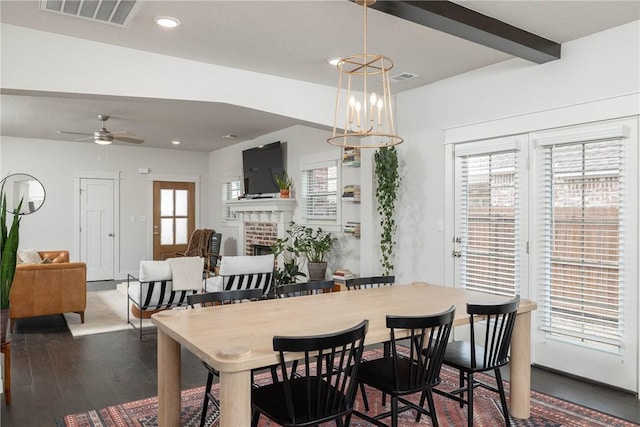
x=230 y=136
x=167 y=21
x=334 y=61
x=175 y=142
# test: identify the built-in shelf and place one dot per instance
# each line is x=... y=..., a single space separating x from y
x=352 y=228
x=351 y=157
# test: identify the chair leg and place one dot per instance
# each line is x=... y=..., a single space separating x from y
x=503 y=398
x=205 y=404
x=470 y=399
x=432 y=407
x=422 y=398
x=254 y=418
x=461 y=385
x=394 y=411
x=364 y=397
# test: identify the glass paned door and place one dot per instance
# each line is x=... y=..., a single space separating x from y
x=490 y=197
x=173 y=217
x=586 y=250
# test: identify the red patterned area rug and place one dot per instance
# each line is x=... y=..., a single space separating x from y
x=546 y=411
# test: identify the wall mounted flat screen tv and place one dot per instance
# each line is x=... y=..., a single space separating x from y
x=260 y=165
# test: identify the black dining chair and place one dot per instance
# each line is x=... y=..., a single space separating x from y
x=305 y=288
x=219 y=298
x=369 y=282
x=323 y=389
x=487 y=352
x=412 y=367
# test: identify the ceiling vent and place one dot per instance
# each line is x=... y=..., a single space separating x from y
x=115 y=12
x=402 y=77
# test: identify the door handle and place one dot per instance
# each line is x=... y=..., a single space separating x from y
x=456 y=254
x=111 y=234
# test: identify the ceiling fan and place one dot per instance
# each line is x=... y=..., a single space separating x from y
x=104 y=137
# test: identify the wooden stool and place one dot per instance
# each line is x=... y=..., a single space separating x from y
x=5 y=348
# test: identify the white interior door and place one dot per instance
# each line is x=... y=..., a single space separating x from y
x=97 y=227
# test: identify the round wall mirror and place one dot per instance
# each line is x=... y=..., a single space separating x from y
x=21 y=186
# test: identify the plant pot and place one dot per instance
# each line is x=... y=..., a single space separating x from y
x=317 y=270
x=4 y=324
x=284 y=193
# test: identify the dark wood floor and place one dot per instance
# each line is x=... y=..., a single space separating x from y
x=54 y=374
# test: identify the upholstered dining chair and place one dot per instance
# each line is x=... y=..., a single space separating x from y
x=321 y=391
x=488 y=352
x=408 y=371
x=305 y=288
x=218 y=298
x=212 y=256
x=369 y=282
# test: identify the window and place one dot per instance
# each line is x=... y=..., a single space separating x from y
x=320 y=191
x=584 y=197
x=231 y=190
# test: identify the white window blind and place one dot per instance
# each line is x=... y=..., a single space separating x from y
x=320 y=191
x=489 y=222
x=584 y=201
x=231 y=190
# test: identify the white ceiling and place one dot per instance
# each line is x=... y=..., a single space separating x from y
x=286 y=38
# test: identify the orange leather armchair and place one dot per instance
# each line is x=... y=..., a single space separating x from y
x=45 y=289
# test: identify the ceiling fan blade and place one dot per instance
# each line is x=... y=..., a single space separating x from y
x=89 y=138
x=127 y=139
x=73 y=133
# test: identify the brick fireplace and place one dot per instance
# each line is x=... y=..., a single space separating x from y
x=262 y=221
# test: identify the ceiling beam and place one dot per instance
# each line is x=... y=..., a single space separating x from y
x=451 y=18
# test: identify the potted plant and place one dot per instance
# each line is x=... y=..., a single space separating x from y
x=315 y=245
x=291 y=261
x=9 y=240
x=285 y=184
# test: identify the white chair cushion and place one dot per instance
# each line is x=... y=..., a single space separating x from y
x=243 y=272
x=231 y=265
x=152 y=271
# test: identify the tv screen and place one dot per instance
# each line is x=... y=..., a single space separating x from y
x=260 y=165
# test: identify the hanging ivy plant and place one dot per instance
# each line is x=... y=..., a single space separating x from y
x=388 y=183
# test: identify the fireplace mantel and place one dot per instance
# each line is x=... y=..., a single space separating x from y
x=252 y=212
x=262 y=205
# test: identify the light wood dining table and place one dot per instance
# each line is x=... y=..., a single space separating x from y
x=237 y=338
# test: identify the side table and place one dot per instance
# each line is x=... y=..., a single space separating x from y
x=5 y=348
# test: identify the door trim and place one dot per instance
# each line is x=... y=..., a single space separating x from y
x=196 y=179
x=116 y=178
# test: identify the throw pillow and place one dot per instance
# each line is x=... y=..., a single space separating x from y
x=29 y=256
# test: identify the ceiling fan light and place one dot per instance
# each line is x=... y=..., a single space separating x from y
x=103 y=140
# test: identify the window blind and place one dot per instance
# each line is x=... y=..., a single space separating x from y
x=584 y=200
x=320 y=191
x=231 y=190
x=489 y=223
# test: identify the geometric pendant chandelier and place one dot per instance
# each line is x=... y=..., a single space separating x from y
x=363 y=116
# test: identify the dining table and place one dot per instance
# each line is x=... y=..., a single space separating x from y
x=237 y=338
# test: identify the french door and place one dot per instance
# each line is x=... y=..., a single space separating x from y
x=585 y=239
x=490 y=242
x=553 y=216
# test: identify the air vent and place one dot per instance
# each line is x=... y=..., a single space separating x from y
x=402 y=77
x=115 y=12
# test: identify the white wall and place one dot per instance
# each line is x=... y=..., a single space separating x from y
x=54 y=164
x=601 y=66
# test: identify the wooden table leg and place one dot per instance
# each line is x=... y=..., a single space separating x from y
x=235 y=399
x=520 y=367
x=169 y=403
x=6 y=349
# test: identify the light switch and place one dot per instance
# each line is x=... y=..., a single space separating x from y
x=142 y=218
x=132 y=218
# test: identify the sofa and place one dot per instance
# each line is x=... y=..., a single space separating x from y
x=54 y=287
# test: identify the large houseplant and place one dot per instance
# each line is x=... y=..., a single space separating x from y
x=292 y=261
x=9 y=240
x=315 y=245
